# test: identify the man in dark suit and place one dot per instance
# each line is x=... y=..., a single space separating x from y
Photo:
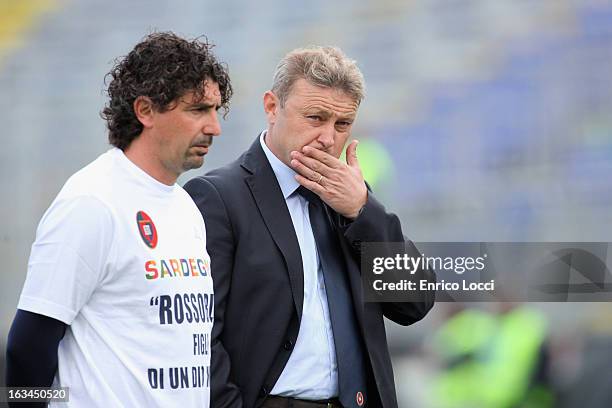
x=284 y=226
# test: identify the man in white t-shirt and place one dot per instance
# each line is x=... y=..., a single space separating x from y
x=118 y=300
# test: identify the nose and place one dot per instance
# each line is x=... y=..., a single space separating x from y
x=327 y=136
x=212 y=126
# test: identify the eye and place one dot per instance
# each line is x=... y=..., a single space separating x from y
x=315 y=118
x=201 y=108
x=343 y=124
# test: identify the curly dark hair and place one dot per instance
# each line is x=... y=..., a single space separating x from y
x=162 y=67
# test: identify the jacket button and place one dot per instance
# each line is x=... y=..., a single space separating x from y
x=264 y=391
x=288 y=345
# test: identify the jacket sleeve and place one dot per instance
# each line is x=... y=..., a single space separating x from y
x=31 y=352
x=220 y=245
x=375 y=224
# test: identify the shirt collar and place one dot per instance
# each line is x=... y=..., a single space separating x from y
x=284 y=174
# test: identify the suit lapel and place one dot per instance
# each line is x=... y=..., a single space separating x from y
x=271 y=204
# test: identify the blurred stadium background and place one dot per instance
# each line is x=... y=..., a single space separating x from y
x=484 y=120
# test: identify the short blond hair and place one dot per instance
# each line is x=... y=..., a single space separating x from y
x=327 y=67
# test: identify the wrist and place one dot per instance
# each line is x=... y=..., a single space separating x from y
x=356 y=213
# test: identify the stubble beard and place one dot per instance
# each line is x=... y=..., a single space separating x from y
x=194 y=160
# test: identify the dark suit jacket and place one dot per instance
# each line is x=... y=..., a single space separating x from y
x=259 y=284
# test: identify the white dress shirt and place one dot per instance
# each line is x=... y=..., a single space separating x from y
x=311 y=372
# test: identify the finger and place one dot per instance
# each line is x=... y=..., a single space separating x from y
x=312 y=164
x=351 y=154
x=323 y=157
x=301 y=169
x=311 y=185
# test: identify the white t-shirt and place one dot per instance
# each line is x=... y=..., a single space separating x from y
x=121 y=258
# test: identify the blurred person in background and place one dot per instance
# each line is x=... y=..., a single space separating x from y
x=285 y=226
x=119 y=278
x=492 y=359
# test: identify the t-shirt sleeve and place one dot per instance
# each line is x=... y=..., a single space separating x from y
x=68 y=257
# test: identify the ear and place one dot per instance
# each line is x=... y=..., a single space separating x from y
x=271 y=106
x=143 y=109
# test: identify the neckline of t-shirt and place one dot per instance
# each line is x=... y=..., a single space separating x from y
x=140 y=173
